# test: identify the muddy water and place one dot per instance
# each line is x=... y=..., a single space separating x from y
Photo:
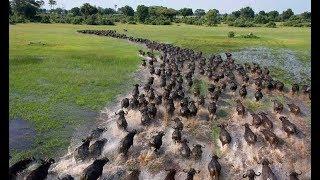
x=235 y=158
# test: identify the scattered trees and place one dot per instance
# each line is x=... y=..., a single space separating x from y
x=186 y=12
x=127 y=10
x=87 y=10
x=21 y=11
x=199 y=12
x=142 y=13
x=287 y=14
x=212 y=17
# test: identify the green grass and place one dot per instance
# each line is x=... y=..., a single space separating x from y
x=65 y=82
x=60 y=79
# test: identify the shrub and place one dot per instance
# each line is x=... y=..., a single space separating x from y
x=231 y=34
x=241 y=22
x=45 y=19
x=250 y=35
x=17 y=19
x=271 y=25
x=104 y=21
x=161 y=20
x=77 y=20
x=91 y=20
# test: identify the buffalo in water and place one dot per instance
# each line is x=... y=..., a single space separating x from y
x=41 y=172
x=94 y=171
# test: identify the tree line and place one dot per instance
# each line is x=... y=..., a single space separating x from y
x=21 y=11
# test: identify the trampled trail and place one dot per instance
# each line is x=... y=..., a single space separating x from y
x=293 y=153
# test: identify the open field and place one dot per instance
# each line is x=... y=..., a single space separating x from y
x=60 y=79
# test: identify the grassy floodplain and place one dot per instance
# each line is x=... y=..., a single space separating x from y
x=60 y=79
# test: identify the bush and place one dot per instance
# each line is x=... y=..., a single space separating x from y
x=17 y=19
x=271 y=25
x=250 y=35
x=161 y=20
x=45 y=19
x=91 y=20
x=104 y=21
x=241 y=22
x=297 y=23
x=231 y=34
x=77 y=20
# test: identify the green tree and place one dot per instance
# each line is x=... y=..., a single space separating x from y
x=127 y=10
x=199 y=12
x=52 y=3
x=10 y=9
x=273 y=15
x=186 y=12
x=86 y=9
x=212 y=17
x=168 y=12
x=247 y=13
x=261 y=19
x=142 y=13
x=109 y=11
x=41 y=3
x=236 y=14
x=287 y=14
x=75 y=11
x=306 y=15
x=25 y=8
x=263 y=13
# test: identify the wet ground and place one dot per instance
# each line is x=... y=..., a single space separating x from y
x=21 y=134
x=294 y=153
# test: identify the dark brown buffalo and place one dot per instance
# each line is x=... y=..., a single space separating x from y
x=256 y=120
x=82 y=152
x=294 y=175
x=224 y=136
x=95 y=149
x=250 y=174
x=171 y=174
x=67 y=177
x=295 y=88
x=41 y=172
x=127 y=142
x=233 y=86
x=240 y=108
x=294 y=109
x=19 y=167
x=267 y=123
x=190 y=173
x=157 y=141
x=176 y=135
x=288 y=126
x=270 y=137
x=277 y=106
x=197 y=151
x=184 y=149
x=258 y=95
x=94 y=171
x=214 y=168
x=267 y=173
x=249 y=136
x=121 y=121
x=125 y=103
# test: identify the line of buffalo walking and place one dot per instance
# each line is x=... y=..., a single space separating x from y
x=178 y=68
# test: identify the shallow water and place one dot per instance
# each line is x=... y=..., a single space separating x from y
x=21 y=134
x=235 y=158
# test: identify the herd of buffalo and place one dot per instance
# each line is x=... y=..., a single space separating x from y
x=176 y=73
